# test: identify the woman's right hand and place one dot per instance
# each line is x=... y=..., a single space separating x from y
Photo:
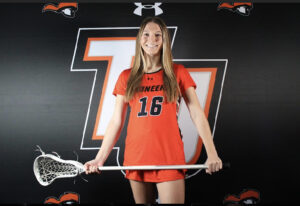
x=92 y=166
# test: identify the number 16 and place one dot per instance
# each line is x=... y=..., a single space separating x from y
x=156 y=106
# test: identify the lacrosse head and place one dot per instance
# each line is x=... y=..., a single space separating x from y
x=48 y=167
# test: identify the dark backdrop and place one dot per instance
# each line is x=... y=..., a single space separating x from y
x=43 y=103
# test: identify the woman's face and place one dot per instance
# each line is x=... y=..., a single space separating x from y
x=151 y=39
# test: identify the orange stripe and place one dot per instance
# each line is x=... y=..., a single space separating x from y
x=66 y=4
x=249 y=194
x=230 y=6
x=242 y=4
x=232 y=198
x=69 y=196
x=52 y=200
x=207 y=106
x=102 y=58
x=226 y=5
x=50 y=7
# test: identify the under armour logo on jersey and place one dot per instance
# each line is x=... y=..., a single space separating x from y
x=67 y=9
x=140 y=7
x=242 y=8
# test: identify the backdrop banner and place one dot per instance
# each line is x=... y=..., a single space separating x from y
x=60 y=61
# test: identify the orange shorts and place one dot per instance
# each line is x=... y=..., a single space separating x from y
x=155 y=175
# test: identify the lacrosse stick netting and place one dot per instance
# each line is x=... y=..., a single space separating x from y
x=48 y=167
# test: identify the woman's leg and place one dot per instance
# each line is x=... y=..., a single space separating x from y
x=171 y=191
x=143 y=192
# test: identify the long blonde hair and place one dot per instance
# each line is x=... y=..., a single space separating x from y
x=170 y=85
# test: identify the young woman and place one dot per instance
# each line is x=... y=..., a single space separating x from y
x=153 y=88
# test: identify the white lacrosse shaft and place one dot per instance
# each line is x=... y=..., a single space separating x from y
x=153 y=167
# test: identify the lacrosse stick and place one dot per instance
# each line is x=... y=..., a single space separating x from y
x=48 y=167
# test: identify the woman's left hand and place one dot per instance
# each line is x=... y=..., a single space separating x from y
x=214 y=164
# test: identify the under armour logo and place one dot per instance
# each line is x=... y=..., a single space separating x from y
x=140 y=7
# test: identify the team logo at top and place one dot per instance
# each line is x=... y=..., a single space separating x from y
x=246 y=197
x=242 y=8
x=140 y=7
x=67 y=9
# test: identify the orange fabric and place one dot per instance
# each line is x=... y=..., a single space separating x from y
x=155 y=175
x=153 y=135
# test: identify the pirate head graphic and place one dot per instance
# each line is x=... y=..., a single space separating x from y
x=242 y=8
x=67 y=198
x=246 y=197
x=67 y=9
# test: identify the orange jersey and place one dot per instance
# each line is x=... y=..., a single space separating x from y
x=153 y=135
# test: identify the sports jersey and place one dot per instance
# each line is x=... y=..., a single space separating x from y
x=153 y=135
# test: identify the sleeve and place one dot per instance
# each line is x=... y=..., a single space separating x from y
x=185 y=79
x=121 y=84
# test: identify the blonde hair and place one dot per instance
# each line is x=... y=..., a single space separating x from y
x=170 y=85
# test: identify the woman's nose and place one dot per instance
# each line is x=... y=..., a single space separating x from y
x=152 y=38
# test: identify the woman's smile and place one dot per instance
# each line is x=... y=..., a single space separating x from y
x=151 y=40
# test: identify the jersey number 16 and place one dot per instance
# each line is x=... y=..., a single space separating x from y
x=155 y=109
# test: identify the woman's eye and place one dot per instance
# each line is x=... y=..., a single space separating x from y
x=146 y=34
x=157 y=35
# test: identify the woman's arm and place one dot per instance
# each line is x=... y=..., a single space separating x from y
x=111 y=135
x=197 y=114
